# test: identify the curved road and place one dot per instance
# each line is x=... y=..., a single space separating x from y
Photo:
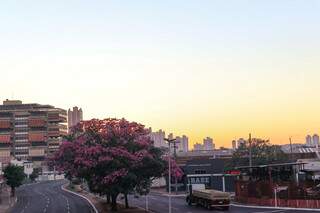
x=48 y=197
x=159 y=204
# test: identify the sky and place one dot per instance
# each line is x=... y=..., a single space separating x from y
x=202 y=68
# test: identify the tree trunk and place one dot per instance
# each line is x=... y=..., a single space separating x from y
x=13 y=191
x=108 y=198
x=114 y=202
x=126 y=200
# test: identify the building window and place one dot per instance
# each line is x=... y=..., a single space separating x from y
x=200 y=171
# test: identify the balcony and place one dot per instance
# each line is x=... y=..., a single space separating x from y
x=56 y=130
x=5 y=139
x=5 y=124
x=5 y=156
x=37 y=137
x=37 y=152
x=37 y=122
x=57 y=117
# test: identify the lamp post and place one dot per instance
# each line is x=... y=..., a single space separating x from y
x=169 y=167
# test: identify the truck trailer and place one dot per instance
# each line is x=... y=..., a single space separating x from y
x=208 y=198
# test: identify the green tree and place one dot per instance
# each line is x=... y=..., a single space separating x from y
x=262 y=153
x=14 y=176
x=113 y=156
x=34 y=174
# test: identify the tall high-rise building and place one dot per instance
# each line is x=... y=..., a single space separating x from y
x=197 y=147
x=182 y=143
x=234 y=144
x=185 y=143
x=208 y=144
x=315 y=140
x=179 y=144
x=75 y=115
x=158 y=138
x=30 y=131
x=309 y=140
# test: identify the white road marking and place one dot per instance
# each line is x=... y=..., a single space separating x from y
x=272 y=211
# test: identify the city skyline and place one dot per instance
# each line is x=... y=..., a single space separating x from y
x=212 y=69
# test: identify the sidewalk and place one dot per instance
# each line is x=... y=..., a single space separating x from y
x=6 y=202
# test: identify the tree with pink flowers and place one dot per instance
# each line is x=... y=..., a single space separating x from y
x=114 y=156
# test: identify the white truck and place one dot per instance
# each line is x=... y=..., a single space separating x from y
x=207 y=198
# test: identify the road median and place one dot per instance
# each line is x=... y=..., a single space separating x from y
x=100 y=204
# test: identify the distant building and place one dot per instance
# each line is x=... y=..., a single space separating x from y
x=199 y=152
x=185 y=143
x=182 y=143
x=74 y=116
x=179 y=144
x=309 y=140
x=234 y=144
x=30 y=132
x=299 y=151
x=208 y=144
x=197 y=147
x=158 y=138
x=312 y=141
x=27 y=166
x=315 y=140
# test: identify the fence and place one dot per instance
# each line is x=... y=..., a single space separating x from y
x=315 y=204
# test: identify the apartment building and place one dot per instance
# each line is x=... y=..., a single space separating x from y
x=30 y=131
x=75 y=115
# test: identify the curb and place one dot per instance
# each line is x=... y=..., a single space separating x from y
x=89 y=201
x=138 y=207
x=167 y=195
x=272 y=207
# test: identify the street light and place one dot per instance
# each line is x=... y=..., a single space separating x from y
x=169 y=165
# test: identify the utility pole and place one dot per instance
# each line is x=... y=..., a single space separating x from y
x=250 y=151
x=290 y=148
x=175 y=157
x=169 y=165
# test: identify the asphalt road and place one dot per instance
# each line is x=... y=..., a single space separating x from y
x=159 y=204
x=48 y=197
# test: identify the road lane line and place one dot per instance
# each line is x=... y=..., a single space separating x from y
x=273 y=211
x=79 y=195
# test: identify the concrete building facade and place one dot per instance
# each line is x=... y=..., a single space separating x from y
x=158 y=138
x=208 y=144
x=197 y=147
x=312 y=141
x=308 y=140
x=315 y=140
x=75 y=115
x=30 y=131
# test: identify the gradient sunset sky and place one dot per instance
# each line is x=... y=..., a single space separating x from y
x=200 y=68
